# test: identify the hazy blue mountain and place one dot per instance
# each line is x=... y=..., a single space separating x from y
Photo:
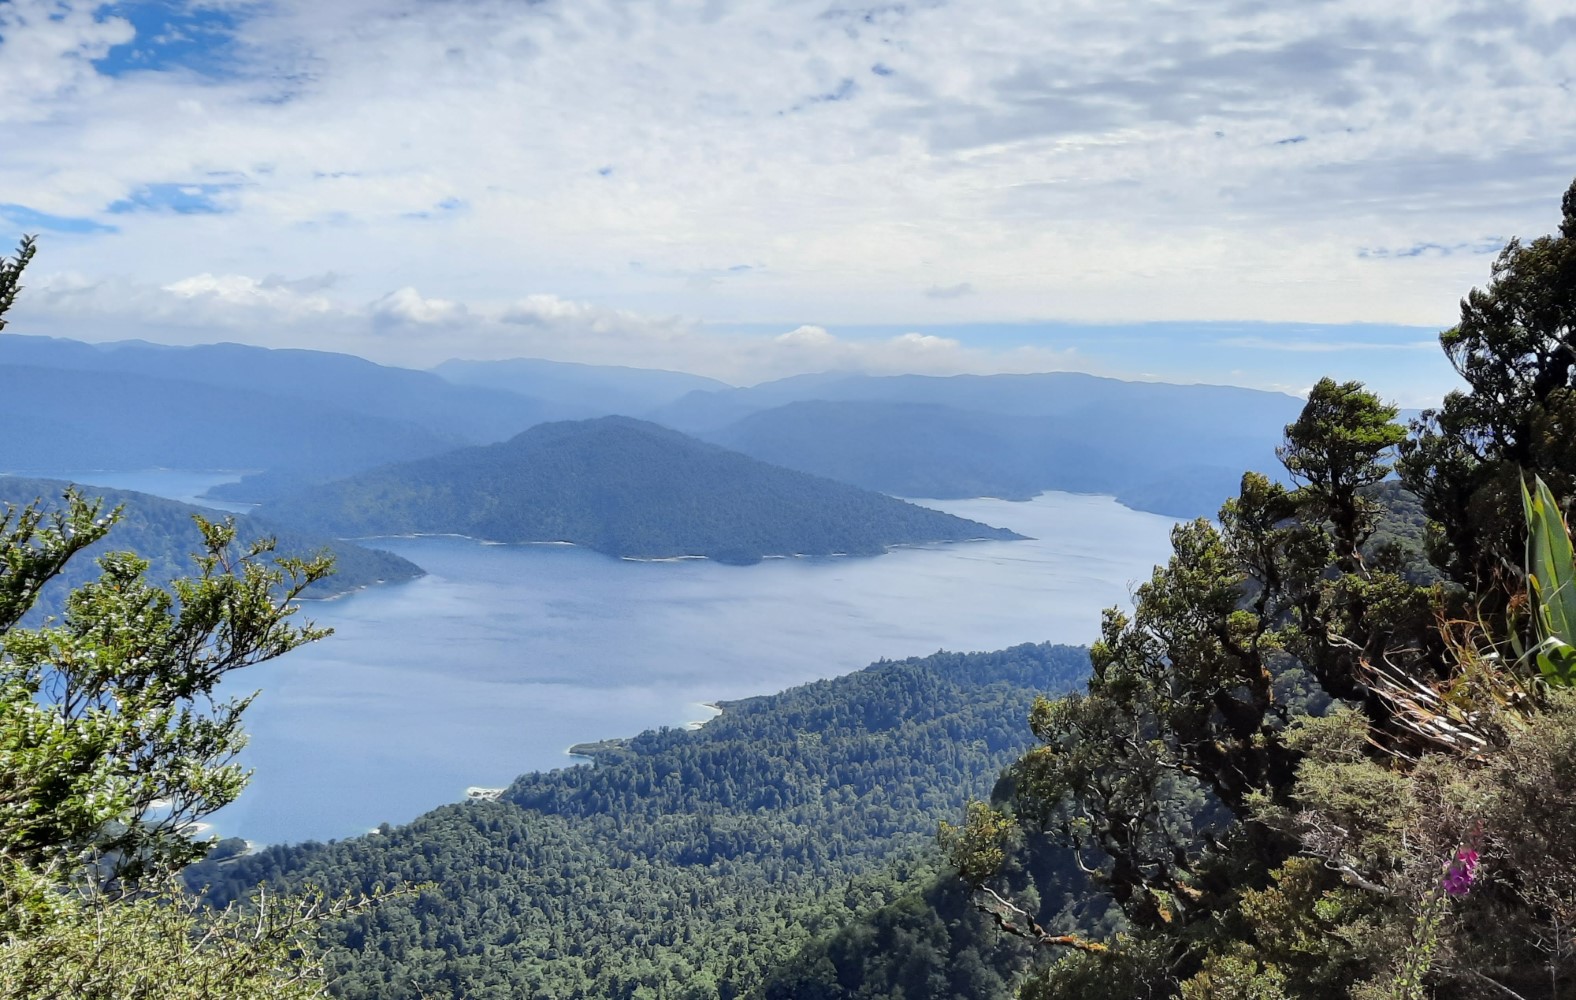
x=576 y=390
x=463 y=414
x=1043 y=394
x=1171 y=449
x=59 y=419
x=162 y=532
x=710 y=410
x=627 y=488
x=300 y=418
x=907 y=449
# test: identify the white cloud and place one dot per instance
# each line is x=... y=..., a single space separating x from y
x=406 y=327
x=406 y=305
x=243 y=293
x=950 y=291
x=47 y=55
x=1121 y=160
x=806 y=337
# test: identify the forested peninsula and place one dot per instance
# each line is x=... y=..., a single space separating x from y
x=627 y=488
x=163 y=532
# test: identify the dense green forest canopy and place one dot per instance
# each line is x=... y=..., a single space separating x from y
x=626 y=488
x=683 y=863
x=926 y=943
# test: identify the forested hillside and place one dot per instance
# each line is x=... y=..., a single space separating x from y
x=626 y=488
x=162 y=532
x=684 y=863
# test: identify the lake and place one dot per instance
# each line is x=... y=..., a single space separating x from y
x=505 y=655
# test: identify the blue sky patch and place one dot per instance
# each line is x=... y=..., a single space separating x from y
x=31 y=220
x=1493 y=244
x=172 y=35
x=842 y=92
x=447 y=207
x=181 y=199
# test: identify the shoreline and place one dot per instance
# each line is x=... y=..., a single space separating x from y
x=685 y=557
x=590 y=749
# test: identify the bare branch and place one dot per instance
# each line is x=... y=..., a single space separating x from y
x=1016 y=921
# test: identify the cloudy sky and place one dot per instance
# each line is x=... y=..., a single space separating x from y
x=1227 y=191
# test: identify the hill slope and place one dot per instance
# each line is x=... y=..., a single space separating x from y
x=161 y=531
x=626 y=488
x=684 y=864
x=60 y=419
x=344 y=382
x=1045 y=394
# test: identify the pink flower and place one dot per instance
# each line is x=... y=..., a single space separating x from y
x=1458 y=877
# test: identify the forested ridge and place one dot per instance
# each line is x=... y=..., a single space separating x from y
x=627 y=488
x=683 y=863
x=162 y=532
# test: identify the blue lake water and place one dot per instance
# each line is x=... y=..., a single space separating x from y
x=505 y=655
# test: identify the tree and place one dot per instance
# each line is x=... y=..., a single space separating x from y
x=1152 y=774
x=1515 y=347
x=112 y=739
x=1334 y=449
x=1291 y=761
x=11 y=269
x=113 y=743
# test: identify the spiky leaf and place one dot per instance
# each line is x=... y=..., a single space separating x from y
x=1551 y=584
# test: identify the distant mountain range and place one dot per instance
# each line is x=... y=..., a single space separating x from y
x=1170 y=449
x=627 y=488
x=295 y=419
x=162 y=532
x=292 y=417
x=581 y=390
